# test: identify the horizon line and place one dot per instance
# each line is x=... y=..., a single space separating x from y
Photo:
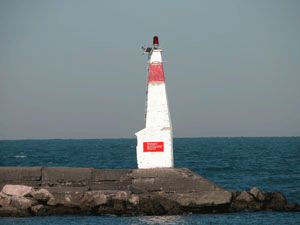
x=107 y=138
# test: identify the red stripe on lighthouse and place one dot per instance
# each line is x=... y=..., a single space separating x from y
x=156 y=72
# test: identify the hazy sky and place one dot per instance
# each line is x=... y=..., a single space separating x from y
x=75 y=69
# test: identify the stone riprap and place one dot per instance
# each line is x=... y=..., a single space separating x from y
x=84 y=191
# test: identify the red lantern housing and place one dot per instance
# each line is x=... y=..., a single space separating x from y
x=155 y=40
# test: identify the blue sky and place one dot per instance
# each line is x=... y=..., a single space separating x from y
x=74 y=69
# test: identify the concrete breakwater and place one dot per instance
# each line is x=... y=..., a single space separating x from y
x=37 y=191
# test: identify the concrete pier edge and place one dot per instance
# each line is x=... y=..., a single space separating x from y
x=38 y=191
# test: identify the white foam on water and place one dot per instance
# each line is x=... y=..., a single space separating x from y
x=21 y=156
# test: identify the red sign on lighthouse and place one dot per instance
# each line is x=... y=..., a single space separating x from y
x=153 y=147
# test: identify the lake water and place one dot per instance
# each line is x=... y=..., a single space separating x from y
x=270 y=164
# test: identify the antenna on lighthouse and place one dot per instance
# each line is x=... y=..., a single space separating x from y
x=155 y=141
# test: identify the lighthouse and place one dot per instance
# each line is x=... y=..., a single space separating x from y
x=155 y=142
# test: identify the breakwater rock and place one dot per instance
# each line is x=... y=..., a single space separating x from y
x=39 y=191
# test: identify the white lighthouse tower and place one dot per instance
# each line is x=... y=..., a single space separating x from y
x=155 y=141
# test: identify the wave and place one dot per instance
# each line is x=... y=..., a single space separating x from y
x=20 y=156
